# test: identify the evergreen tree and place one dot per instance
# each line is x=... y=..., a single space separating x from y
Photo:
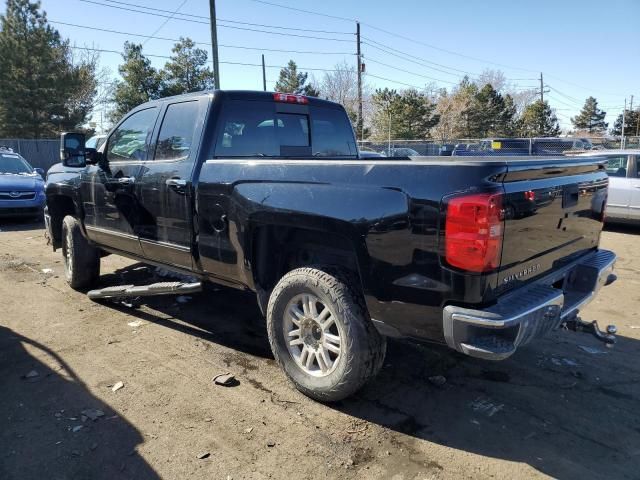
x=591 y=118
x=410 y=114
x=539 y=121
x=490 y=114
x=292 y=81
x=42 y=90
x=631 y=124
x=186 y=71
x=140 y=81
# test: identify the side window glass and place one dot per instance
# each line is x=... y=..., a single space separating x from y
x=175 y=140
x=130 y=141
x=617 y=166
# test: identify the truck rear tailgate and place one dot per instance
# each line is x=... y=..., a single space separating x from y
x=553 y=212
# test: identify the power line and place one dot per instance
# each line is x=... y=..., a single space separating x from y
x=131 y=34
x=165 y=22
x=226 y=63
x=202 y=17
x=335 y=17
x=369 y=59
x=399 y=53
x=395 y=81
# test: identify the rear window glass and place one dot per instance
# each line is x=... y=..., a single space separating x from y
x=617 y=166
x=251 y=128
x=332 y=133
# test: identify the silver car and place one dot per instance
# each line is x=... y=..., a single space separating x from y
x=623 y=167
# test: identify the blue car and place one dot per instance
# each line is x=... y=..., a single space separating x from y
x=21 y=187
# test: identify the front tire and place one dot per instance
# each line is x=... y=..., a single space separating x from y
x=81 y=259
x=321 y=335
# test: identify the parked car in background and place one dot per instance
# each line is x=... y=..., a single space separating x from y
x=21 y=186
x=522 y=146
x=400 y=152
x=369 y=154
x=623 y=168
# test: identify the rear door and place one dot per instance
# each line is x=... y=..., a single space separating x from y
x=620 y=186
x=165 y=227
x=109 y=190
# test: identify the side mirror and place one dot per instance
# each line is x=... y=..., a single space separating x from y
x=40 y=172
x=93 y=156
x=72 y=152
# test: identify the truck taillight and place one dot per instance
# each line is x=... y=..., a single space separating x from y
x=474 y=231
x=290 y=98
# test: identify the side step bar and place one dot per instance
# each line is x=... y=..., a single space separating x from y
x=162 y=288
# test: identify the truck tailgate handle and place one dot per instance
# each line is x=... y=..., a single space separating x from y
x=178 y=185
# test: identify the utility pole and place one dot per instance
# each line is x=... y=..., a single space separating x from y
x=360 y=125
x=622 y=142
x=214 y=44
x=542 y=102
x=264 y=75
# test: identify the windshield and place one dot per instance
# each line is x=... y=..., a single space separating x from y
x=14 y=164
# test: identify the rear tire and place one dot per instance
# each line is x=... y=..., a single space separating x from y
x=81 y=259
x=321 y=334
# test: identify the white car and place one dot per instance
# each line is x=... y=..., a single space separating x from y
x=623 y=167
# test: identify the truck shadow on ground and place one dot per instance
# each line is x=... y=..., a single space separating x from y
x=41 y=427
x=565 y=406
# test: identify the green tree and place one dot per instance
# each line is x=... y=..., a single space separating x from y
x=490 y=114
x=292 y=81
x=42 y=89
x=140 y=81
x=409 y=114
x=590 y=118
x=631 y=124
x=187 y=71
x=538 y=120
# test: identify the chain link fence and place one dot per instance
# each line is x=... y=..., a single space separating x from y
x=495 y=146
x=39 y=153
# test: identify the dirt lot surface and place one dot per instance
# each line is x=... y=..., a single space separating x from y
x=553 y=410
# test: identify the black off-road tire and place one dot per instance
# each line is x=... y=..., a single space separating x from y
x=81 y=259
x=364 y=348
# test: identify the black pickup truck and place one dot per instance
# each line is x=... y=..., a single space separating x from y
x=266 y=192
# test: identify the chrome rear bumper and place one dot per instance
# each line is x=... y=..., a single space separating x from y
x=530 y=311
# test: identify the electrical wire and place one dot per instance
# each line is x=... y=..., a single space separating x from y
x=202 y=17
x=164 y=23
x=131 y=34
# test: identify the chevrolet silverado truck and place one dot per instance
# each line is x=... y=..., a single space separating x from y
x=266 y=192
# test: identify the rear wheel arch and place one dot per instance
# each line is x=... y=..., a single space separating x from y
x=278 y=249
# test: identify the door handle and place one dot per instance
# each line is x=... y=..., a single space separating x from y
x=126 y=180
x=115 y=183
x=178 y=185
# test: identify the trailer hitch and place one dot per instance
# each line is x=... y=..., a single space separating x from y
x=576 y=324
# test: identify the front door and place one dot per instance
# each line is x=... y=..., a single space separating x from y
x=619 y=187
x=164 y=182
x=110 y=192
x=634 y=203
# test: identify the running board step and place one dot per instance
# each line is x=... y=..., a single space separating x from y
x=162 y=288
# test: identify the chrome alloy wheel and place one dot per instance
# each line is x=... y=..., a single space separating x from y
x=68 y=253
x=313 y=335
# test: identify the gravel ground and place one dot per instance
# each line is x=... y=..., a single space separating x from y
x=552 y=410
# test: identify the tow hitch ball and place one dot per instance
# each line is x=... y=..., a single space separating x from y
x=576 y=324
